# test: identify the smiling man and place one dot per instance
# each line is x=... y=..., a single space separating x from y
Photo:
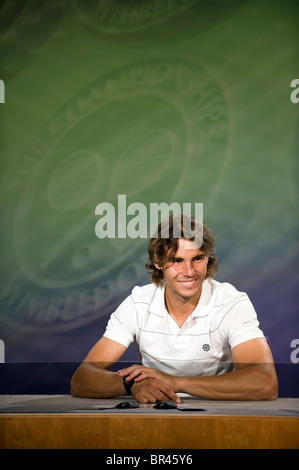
x=194 y=335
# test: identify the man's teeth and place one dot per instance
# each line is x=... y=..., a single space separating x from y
x=187 y=283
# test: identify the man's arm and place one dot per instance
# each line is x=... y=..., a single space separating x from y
x=254 y=378
x=93 y=379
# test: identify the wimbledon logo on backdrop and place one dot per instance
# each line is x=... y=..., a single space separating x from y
x=144 y=225
x=71 y=277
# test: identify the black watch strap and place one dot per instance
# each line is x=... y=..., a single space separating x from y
x=128 y=385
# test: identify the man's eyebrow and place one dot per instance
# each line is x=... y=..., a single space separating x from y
x=200 y=255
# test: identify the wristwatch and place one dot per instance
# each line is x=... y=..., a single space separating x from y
x=128 y=385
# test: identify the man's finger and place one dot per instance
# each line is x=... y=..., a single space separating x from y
x=170 y=393
x=128 y=370
x=158 y=389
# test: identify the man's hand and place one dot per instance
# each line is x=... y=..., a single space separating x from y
x=151 y=385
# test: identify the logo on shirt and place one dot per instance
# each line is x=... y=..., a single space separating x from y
x=206 y=347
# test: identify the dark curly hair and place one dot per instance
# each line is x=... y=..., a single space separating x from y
x=161 y=250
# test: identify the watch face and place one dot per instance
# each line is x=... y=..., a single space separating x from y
x=128 y=385
x=129 y=382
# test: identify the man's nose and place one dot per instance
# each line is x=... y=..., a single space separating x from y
x=188 y=269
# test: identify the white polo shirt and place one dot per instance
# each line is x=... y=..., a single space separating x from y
x=222 y=319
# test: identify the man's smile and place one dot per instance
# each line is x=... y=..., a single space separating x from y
x=188 y=283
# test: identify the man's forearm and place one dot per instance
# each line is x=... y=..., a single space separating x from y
x=256 y=382
x=91 y=380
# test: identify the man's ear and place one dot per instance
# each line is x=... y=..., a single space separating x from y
x=157 y=266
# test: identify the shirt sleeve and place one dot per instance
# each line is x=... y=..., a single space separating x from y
x=240 y=322
x=121 y=325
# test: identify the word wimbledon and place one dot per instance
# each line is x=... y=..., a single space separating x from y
x=137 y=226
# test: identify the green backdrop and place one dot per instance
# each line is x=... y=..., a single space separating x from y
x=185 y=101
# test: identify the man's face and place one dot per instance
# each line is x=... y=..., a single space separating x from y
x=186 y=271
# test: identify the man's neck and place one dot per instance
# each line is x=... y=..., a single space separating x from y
x=180 y=308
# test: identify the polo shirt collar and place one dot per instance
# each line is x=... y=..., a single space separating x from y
x=157 y=304
x=204 y=304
